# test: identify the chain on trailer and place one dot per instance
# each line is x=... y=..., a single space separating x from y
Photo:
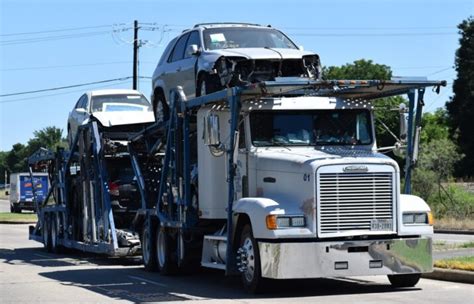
x=168 y=145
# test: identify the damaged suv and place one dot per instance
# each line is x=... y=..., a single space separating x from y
x=213 y=56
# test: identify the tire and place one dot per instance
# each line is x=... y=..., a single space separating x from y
x=54 y=235
x=404 y=280
x=160 y=108
x=206 y=85
x=165 y=254
x=149 y=246
x=252 y=280
x=46 y=233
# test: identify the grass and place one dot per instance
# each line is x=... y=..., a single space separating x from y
x=454 y=223
x=18 y=217
x=459 y=263
x=442 y=245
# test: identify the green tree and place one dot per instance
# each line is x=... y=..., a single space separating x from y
x=434 y=126
x=461 y=105
x=3 y=166
x=16 y=159
x=49 y=138
x=384 y=108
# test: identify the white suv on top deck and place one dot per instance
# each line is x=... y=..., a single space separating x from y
x=212 y=56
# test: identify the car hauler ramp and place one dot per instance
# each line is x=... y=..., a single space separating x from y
x=93 y=196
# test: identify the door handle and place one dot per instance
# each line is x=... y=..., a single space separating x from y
x=178 y=69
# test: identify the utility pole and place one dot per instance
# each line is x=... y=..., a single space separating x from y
x=135 y=55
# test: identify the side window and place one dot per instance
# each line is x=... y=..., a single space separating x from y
x=193 y=39
x=178 y=52
x=82 y=102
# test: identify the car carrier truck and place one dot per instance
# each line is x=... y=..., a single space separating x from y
x=283 y=180
x=93 y=191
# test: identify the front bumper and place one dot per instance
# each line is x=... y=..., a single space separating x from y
x=294 y=260
x=25 y=205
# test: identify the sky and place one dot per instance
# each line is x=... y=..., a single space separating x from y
x=49 y=44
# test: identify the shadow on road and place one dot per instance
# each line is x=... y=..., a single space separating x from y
x=125 y=279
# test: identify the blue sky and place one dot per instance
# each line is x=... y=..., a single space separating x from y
x=415 y=38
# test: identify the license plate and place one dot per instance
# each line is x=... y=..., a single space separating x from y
x=381 y=225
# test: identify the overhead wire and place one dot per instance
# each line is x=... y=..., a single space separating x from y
x=65 y=87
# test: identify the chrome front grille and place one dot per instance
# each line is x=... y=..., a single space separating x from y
x=350 y=202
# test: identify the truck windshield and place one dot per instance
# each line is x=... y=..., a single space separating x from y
x=310 y=128
x=242 y=37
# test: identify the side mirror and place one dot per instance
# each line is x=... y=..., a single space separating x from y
x=211 y=130
x=403 y=122
x=192 y=49
x=6 y=193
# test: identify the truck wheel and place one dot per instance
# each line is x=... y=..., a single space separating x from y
x=164 y=253
x=54 y=235
x=250 y=262
x=404 y=280
x=149 y=246
x=46 y=233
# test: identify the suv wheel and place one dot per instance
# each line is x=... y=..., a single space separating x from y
x=161 y=108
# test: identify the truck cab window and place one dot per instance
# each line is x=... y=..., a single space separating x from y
x=310 y=128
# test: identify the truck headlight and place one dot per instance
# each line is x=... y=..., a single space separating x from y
x=416 y=218
x=275 y=221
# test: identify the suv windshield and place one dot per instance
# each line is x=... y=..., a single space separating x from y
x=243 y=37
x=310 y=128
x=120 y=102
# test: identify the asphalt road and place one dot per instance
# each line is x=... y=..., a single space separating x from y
x=29 y=274
x=4 y=205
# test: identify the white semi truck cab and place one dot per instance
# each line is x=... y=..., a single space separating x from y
x=285 y=181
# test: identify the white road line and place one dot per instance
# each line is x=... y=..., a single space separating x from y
x=148 y=281
x=186 y=296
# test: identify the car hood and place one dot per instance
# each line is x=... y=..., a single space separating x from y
x=262 y=53
x=109 y=119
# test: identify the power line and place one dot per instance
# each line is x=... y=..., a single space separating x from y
x=57 y=94
x=369 y=28
x=63 y=66
x=50 y=38
x=66 y=87
x=371 y=34
x=57 y=30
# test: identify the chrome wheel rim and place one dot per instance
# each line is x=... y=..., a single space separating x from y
x=53 y=234
x=248 y=259
x=45 y=234
x=203 y=88
x=159 y=111
x=161 y=248
x=146 y=247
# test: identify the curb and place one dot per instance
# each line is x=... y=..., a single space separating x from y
x=18 y=222
x=451 y=275
x=447 y=231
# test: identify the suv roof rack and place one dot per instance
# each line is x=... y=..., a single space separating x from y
x=225 y=23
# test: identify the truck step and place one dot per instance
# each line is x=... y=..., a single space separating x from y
x=214 y=251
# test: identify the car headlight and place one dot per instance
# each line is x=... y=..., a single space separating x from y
x=275 y=221
x=417 y=218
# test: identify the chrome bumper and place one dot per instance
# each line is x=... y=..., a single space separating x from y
x=346 y=258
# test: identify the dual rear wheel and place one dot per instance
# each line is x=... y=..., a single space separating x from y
x=158 y=249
